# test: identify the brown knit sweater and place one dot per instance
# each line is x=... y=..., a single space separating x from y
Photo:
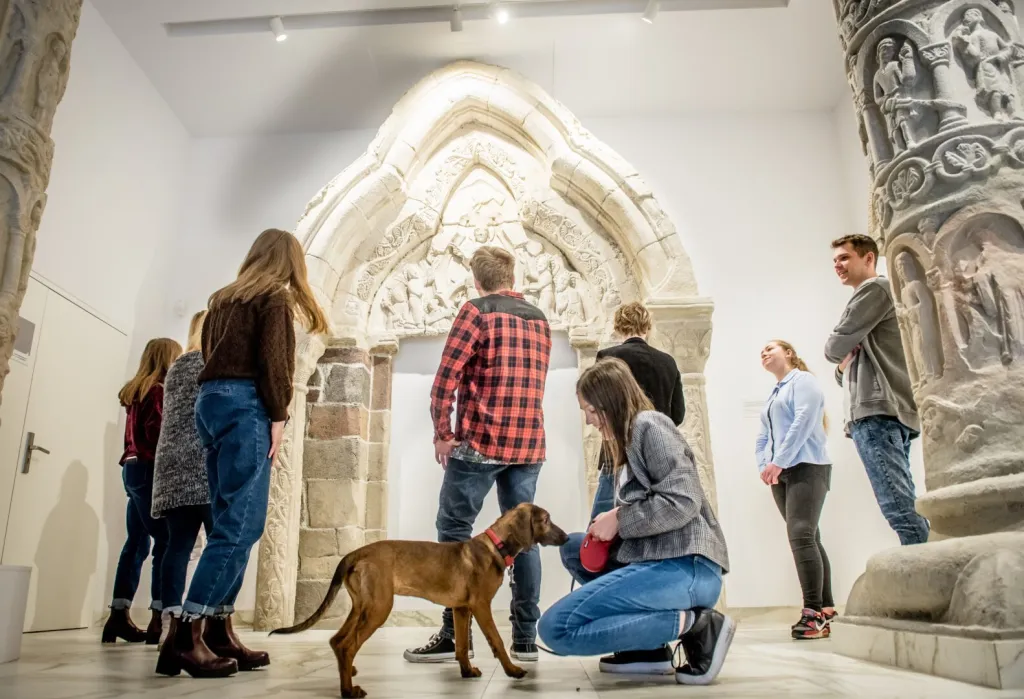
x=254 y=340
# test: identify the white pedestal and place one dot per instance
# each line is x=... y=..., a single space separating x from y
x=933 y=649
x=14 y=581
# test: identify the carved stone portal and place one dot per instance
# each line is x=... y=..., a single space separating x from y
x=474 y=155
x=34 y=64
x=946 y=150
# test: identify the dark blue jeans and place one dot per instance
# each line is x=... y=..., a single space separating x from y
x=463 y=490
x=235 y=430
x=138 y=483
x=183 y=528
x=884 y=446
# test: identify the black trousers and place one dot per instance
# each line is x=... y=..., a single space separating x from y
x=183 y=525
x=800 y=495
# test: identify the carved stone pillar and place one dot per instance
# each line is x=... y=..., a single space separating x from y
x=949 y=213
x=586 y=346
x=35 y=57
x=278 y=563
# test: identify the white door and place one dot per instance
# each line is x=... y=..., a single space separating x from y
x=14 y=402
x=56 y=512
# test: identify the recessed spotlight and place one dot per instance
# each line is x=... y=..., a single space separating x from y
x=499 y=13
x=651 y=12
x=277 y=26
x=456 y=20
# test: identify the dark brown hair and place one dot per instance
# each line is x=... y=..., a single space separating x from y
x=861 y=244
x=156 y=360
x=609 y=386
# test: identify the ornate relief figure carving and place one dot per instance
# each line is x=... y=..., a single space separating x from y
x=895 y=80
x=919 y=319
x=986 y=57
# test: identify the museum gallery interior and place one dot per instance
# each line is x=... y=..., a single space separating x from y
x=696 y=156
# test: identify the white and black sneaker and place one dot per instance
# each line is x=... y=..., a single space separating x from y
x=639 y=662
x=525 y=652
x=437 y=650
x=706 y=644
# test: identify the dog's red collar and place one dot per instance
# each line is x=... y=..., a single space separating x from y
x=500 y=545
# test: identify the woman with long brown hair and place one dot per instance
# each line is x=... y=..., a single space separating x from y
x=666 y=537
x=793 y=459
x=245 y=389
x=142 y=398
x=181 y=490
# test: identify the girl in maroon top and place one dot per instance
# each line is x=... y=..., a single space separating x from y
x=143 y=399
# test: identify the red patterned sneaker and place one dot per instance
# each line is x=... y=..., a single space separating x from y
x=812 y=625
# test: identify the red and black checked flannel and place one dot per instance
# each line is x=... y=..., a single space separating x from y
x=497 y=356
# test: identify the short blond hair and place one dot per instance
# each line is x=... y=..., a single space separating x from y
x=493 y=268
x=632 y=320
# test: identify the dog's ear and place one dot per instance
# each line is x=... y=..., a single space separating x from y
x=521 y=531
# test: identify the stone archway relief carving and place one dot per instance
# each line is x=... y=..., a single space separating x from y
x=473 y=155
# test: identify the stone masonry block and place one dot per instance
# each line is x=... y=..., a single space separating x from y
x=336 y=459
x=348 y=383
x=317 y=568
x=377 y=463
x=349 y=539
x=317 y=378
x=333 y=421
x=373 y=535
x=310 y=593
x=317 y=543
x=336 y=503
x=345 y=355
x=376 y=505
x=380 y=393
x=380 y=426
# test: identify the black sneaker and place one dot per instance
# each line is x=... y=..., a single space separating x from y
x=812 y=625
x=706 y=644
x=437 y=650
x=524 y=652
x=639 y=662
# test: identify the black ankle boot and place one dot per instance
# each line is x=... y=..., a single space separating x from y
x=154 y=629
x=120 y=625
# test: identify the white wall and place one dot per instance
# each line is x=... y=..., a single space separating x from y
x=856 y=178
x=757 y=199
x=113 y=205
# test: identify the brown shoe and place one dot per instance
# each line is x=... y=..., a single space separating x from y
x=153 y=630
x=120 y=625
x=185 y=650
x=221 y=638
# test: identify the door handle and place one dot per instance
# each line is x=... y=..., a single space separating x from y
x=31 y=446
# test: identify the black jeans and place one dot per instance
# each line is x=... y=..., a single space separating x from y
x=138 y=483
x=800 y=495
x=183 y=524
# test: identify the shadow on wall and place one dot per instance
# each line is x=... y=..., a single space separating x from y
x=66 y=557
x=114 y=506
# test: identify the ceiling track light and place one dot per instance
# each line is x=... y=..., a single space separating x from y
x=651 y=12
x=277 y=26
x=499 y=12
x=456 y=20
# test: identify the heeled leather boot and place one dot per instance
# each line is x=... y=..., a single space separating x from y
x=120 y=625
x=185 y=650
x=153 y=630
x=221 y=638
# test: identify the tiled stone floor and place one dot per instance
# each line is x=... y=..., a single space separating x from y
x=763 y=663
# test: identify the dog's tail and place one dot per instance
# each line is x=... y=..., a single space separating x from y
x=340 y=573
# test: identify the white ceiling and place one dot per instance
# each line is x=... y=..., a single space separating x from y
x=603 y=66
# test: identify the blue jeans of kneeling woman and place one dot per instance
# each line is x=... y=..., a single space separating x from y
x=634 y=607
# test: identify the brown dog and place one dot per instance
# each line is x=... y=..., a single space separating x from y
x=463 y=576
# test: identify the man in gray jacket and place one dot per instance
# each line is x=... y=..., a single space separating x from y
x=872 y=369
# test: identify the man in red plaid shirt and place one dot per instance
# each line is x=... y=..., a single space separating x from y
x=496 y=360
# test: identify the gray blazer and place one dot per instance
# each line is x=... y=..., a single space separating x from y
x=663 y=512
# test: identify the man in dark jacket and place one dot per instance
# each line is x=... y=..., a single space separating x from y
x=657 y=374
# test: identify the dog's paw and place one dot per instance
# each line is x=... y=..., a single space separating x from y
x=471 y=672
x=515 y=672
x=356 y=693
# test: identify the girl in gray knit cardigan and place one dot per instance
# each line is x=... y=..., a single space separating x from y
x=181 y=492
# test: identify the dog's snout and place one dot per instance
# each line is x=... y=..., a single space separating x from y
x=555 y=536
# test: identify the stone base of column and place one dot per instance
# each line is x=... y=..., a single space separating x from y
x=952 y=608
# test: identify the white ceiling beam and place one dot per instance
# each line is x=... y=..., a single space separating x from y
x=441 y=14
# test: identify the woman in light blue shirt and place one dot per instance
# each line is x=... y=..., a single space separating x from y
x=793 y=460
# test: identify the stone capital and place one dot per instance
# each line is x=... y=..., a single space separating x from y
x=936 y=54
x=384 y=345
x=683 y=329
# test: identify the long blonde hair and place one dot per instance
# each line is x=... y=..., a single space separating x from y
x=609 y=386
x=195 y=332
x=156 y=360
x=275 y=262
x=794 y=361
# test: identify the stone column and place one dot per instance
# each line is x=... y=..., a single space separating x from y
x=382 y=355
x=35 y=57
x=278 y=559
x=586 y=346
x=949 y=214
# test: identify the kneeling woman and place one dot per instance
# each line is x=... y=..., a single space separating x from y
x=670 y=545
